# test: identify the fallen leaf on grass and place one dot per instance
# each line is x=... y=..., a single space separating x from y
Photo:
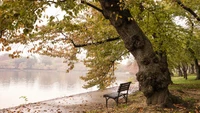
x=29 y=110
x=179 y=106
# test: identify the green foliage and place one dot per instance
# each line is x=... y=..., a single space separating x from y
x=24 y=98
x=102 y=61
x=20 y=22
x=157 y=20
x=13 y=17
x=101 y=58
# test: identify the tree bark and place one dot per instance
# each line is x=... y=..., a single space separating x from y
x=163 y=61
x=184 y=69
x=191 y=69
x=180 y=73
x=162 y=55
x=196 y=63
x=197 y=69
x=153 y=75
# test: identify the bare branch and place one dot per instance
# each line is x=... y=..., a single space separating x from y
x=188 y=9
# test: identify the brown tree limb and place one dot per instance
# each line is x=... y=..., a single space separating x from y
x=88 y=44
x=91 y=5
x=96 y=43
x=188 y=9
x=1 y=33
x=98 y=9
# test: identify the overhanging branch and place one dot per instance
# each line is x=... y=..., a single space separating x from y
x=96 y=43
x=88 y=44
x=188 y=9
x=98 y=9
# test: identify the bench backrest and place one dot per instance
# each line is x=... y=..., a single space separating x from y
x=124 y=87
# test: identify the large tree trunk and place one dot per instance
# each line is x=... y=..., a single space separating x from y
x=196 y=63
x=153 y=75
x=163 y=61
x=191 y=69
x=162 y=55
x=180 y=73
x=197 y=69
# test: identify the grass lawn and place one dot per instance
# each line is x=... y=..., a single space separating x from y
x=181 y=83
x=188 y=90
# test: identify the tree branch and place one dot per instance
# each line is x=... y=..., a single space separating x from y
x=188 y=9
x=97 y=43
x=1 y=33
x=98 y=9
x=88 y=44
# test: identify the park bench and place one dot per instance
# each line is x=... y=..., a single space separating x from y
x=122 y=91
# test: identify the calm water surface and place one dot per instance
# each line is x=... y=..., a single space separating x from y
x=42 y=85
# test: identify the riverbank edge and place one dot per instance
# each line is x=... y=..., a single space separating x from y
x=79 y=94
x=92 y=98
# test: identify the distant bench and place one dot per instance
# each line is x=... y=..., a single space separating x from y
x=122 y=91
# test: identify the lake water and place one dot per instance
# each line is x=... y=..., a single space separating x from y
x=42 y=85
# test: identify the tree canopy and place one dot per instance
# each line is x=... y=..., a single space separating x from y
x=85 y=27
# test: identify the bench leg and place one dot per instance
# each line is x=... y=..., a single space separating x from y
x=117 y=101
x=106 y=101
x=125 y=98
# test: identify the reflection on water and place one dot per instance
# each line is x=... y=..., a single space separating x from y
x=41 y=85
